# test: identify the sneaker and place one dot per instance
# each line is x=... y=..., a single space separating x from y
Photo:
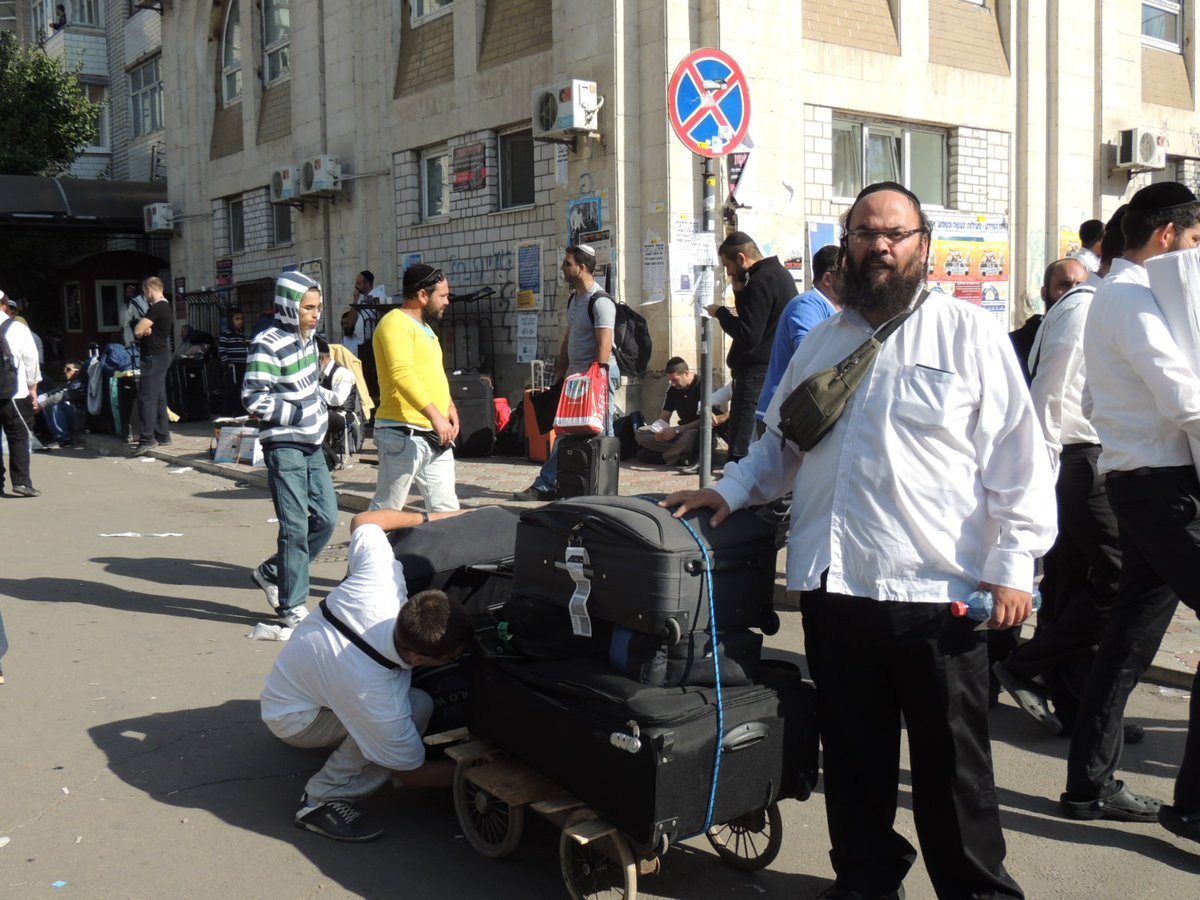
x=1029 y=696
x=143 y=448
x=339 y=820
x=533 y=492
x=259 y=575
x=52 y=445
x=290 y=618
x=26 y=490
x=693 y=469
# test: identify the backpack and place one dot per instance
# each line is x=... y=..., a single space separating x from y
x=8 y=364
x=631 y=336
x=116 y=358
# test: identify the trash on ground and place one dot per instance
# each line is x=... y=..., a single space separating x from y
x=264 y=632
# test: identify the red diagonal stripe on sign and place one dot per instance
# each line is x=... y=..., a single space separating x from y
x=715 y=110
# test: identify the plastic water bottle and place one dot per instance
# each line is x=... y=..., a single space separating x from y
x=978 y=606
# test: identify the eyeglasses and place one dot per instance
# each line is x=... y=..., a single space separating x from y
x=891 y=238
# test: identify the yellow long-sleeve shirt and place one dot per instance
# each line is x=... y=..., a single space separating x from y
x=408 y=359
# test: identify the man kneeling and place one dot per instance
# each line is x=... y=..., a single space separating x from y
x=344 y=680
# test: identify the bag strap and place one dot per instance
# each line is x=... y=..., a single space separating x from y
x=356 y=639
x=890 y=328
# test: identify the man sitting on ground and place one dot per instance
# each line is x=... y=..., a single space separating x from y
x=324 y=692
x=676 y=445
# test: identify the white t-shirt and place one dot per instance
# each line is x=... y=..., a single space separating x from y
x=319 y=667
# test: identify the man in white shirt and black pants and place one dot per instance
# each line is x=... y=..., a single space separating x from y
x=18 y=403
x=934 y=482
x=1145 y=403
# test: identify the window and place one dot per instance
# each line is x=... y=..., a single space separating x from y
x=282 y=232
x=516 y=168
x=864 y=153
x=423 y=10
x=435 y=184
x=1162 y=24
x=98 y=93
x=231 y=56
x=37 y=14
x=145 y=88
x=85 y=12
x=237 y=225
x=277 y=36
x=110 y=297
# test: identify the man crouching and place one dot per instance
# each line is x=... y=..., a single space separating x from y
x=324 y=692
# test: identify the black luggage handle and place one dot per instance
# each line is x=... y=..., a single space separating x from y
x=744 y=736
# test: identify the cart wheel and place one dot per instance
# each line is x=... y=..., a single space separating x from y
x=750 y=841
x=490 y=825
x=770 y=623
x=599 y=870
x=671 y=632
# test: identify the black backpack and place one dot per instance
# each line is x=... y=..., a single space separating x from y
x=631 y=336
x=8 y=364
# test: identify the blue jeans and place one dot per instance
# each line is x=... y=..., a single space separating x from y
x=306 y=506
x=547 y=479
x=62 y=420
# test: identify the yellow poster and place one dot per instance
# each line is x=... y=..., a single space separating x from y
x=1068 y=242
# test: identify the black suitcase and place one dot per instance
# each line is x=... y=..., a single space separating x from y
x=187 y=389
x=541 y=629
x=472 y=395
x=644 y=757
x=588 y=466
x=646 y=569
x=468 y=556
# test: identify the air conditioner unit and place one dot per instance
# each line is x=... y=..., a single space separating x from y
x=285 y=184
x=1141 y=148
x=321 y=175
x=157 y=218
x=560 y=109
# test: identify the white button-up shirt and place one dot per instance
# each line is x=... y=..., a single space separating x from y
x=935 y=477
x=24 y=351
x=1056 y=359
x=1145 y=398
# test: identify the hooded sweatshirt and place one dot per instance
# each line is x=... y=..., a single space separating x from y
x=282 y=375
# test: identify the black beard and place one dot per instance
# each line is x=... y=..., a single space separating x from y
x=429 y=317
x=863 y=289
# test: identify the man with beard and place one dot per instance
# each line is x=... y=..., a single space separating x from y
x=416 y=423
x=1145 y=404
x=934 y=482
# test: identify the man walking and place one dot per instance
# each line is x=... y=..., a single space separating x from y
x=1145 y=404
x=19 y=377
x=281 y=390
x=761 y=290
x=933 y=483
x=153 y=333
x=416 y=423
x=591 y=317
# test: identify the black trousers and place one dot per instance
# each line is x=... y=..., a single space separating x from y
x=747 y=385
x=1158 y=514
x=152 y=399
x=1079 y=584
x=16 y=418
x=873 y=662
x=231 y=389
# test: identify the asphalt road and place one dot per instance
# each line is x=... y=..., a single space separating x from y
x=133 y=762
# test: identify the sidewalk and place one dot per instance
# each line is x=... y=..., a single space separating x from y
x=492 y=480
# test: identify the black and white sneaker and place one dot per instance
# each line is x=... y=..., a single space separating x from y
x=339 y=820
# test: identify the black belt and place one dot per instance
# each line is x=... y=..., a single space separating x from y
x=1151 y=470
x=1077 y=448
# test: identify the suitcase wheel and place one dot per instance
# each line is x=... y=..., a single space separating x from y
x=595 y=859
x=490 y=825
x=751 y=841
x=671 y=632
x=770 y=622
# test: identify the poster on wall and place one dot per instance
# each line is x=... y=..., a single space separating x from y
x=1068 y=242
x=601 y=242
x=969 y=258
x=529 y=274
x=470 y=171
x=654 y=272
x=583 y=214
x=224 y=272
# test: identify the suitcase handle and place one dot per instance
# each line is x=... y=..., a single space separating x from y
x=745 y=735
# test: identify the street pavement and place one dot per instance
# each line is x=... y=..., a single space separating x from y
x=133 y=762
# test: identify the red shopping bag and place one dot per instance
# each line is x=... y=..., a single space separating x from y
x=583 y=406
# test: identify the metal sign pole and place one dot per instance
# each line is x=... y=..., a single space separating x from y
x=710 y=226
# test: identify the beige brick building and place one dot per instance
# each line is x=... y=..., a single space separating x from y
x=1004 y=113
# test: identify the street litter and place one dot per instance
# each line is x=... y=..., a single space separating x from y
x=66 y=791
x=4 y=841
x=180 y=470
x=265 y=632
x=138 y=534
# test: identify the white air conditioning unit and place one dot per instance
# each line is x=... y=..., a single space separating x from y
x=157 y=218
x=321 y=175
x=561 y=109
x=285 y=183
x=1141 y=148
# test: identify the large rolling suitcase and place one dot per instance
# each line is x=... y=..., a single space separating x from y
x=644 y=569
x=468 y=556
x=588 y=465
x=187 y=389
x=472 y=395
x=644 y=757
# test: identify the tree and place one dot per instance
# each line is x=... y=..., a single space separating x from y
x=46 y=115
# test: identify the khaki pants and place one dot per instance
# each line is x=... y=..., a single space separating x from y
x=683 y=444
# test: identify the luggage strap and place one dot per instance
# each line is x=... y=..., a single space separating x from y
x=356 y=639
x=712 y=626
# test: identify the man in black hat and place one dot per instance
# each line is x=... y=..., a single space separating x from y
x=1145 y=404
x=761 y=290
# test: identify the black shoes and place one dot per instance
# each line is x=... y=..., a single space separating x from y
x=143 y=448
x=1122 y=806
x=339 y=820
x=26 y=490
x=1186 y=825
x=535 y=493
x=837 y=892
x=1030 y=696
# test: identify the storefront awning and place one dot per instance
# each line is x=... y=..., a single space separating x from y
x=76 y=204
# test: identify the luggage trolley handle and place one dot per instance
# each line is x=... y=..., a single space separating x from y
x=745 y=736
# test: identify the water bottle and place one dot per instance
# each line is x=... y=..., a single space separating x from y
x=978 y=606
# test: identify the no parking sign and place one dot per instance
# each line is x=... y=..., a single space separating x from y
x=708 y=100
